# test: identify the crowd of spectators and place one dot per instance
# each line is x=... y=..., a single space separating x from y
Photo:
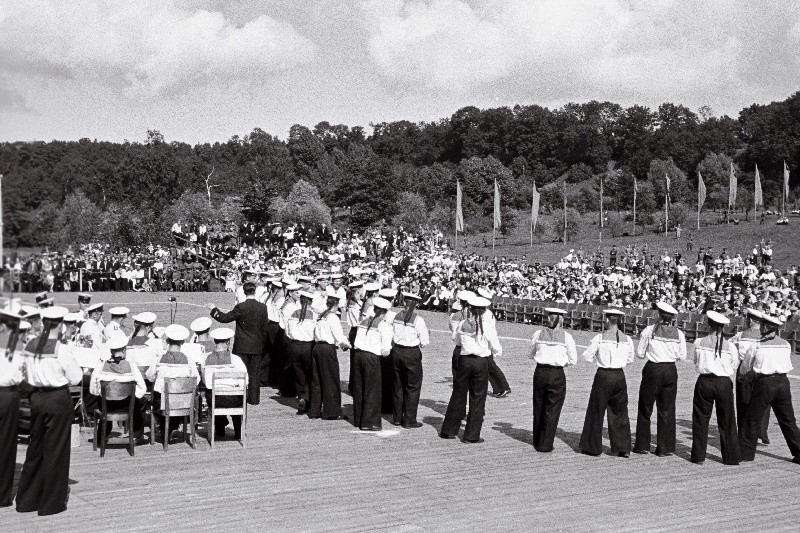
x=421 y=261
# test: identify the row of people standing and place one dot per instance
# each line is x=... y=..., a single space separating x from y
x=289 y=333
x=757 y=359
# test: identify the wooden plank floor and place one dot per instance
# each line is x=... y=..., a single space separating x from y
x=298 y=474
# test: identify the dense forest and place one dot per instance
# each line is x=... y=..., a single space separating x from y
x=140 y=188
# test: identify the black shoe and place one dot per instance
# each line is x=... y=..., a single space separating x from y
x=624 y=454
x=371 y=428
x=446 y=436
x=641 y=452
x=796 y=460
x=339 y=417
x=473 y=441
x=413 y=425
x=503 y=394
x=592 y=454
x=394 y=423
x=301 y=407
x=663 y=454
x=765 y=441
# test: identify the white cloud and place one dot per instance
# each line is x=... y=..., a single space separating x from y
x=561 y=49
x=152 y=46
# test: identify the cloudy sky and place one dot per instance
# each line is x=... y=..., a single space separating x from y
x=205 y=70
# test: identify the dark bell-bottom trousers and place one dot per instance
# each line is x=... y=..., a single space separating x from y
x=744 y=391
x=277 y=357
x=769 y=391
x=454 y=361
x=470 y=380
x=288 y=386
x=549 y=391
x=220 y=421
x=387 y=384
x=326 y=388
x=272 y=331
x=351 y=337
x=497 y=379
x=43 y=486
x=711 y=390
x=407 y=383
x=301 y=360
x=609 y=392
x=660 y=387
x=366 y=390
x=9 y=418
x=253 y=363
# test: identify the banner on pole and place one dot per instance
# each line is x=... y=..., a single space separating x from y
x=785 y=181
x=732 y=186
x=701 y=191
x=758 y=194
x=459 y=212
x=497 y=222
x=535 y=206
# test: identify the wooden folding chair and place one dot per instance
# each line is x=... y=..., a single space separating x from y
x=113 y=391
x=179 y=399
x=221 y=386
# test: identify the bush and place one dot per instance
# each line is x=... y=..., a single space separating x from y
x=573 y=223
x=303 y=205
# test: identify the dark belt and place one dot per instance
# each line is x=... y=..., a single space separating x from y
x=540 y=365
x=610 y=369
x=300 y=342
x=473 y=355
x=712 y=375
x=406 y=347
x=325 y=343
x=274 y=322
x=667 y=363
x=50 y=389
x=760 y=376
x=9 y=388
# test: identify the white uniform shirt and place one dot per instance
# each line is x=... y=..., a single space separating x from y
x=111 y=329
x=553 y=347
x=607 y=352
x=744 y=340
x=667 y=344
x=329 y=329
x=339 y=293
x=285 y=311
x=455 y=319
x=376 y=339
x=708 y=361
x=772 y=356
x=161 y=370
x=237 y=365
x=274 y=304
x=91 y=330
x=101 y=374
x=414 y=333
x=301 y=330
x=56 y=367
x=479 y=343
x=11 y=370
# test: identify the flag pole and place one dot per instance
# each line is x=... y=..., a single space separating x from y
x=634 y=205
x=2 y=256
x=666 y=207
x=565 y=211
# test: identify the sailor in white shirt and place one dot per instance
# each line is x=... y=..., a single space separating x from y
x=336 y=289
x=478 y=339
x=410 y=336
x=247 y=275
x=552 y=349
x=772 y=360
x=373 y=340
x=116 y=368
x=661 y=344
x=300 y=322
x=319 y=303
x=11 y=375
x=716 y=360
x=326 y=393
x=746 y=376
x=220 y=359
x=387 y=363
x=144 y=347
x=355 y=313
x=114 y=326
x=497 y=378
x=274 y=358
x=612 y=351
x=91 y=333
x=49 y=370
x=461 y=312
x=290 y=304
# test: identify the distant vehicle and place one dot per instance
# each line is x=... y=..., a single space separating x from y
x=783 y=222
x=770 y=212
x=796 y=211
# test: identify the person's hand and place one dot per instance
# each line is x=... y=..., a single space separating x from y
x=211 y=306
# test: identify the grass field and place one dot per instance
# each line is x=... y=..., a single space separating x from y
x=737 y=239
x=297 y=474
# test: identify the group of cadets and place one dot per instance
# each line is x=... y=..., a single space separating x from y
x=301 y=331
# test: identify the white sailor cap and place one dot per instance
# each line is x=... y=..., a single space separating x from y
x=84 y=298
x=158 y=331
x=666 y=308
x=277 y=283
x=222 y=334
x=456 y=306
x=554 y=311
x=718 y=318
x=30 y=311
x=55 y=313
x=356 y=284
x=24 y=325
x=336 y=276
x=176 y=333
x=117 y=341
x=42 y=296
x=94 y=307
x=755 y=313
x=292 y=287
x=202 y=323
x=146 y=318
x=305 y=279
x=465 y=296
x=387 y=293
x=613 y=312
x=372 y=286
x=381 y=303
x=119 y=311
x=306 y=294
x=412 y=296
x=71 y=318
x=485 y=293
x=479 y=301
x=769 y=319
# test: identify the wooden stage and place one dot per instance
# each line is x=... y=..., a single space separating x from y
x=298 y=474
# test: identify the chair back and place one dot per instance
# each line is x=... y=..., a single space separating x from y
x=117 y=390
x=221 y=381
x=179 y=394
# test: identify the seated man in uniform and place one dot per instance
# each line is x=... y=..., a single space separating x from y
x=120 y=370
x=173 y=364
x=221 y=360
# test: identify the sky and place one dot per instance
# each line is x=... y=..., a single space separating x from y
x=206 y=70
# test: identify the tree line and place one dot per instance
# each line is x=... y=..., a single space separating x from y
x=131 y=192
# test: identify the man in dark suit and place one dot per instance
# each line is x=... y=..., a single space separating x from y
x=248 y=343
